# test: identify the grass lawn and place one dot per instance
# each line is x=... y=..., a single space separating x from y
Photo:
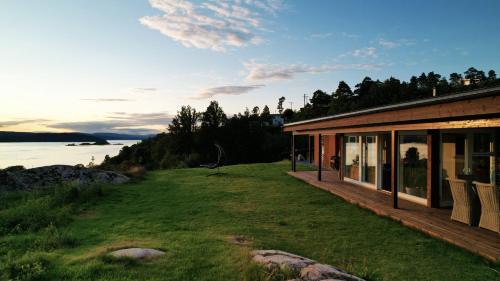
x=192 y=218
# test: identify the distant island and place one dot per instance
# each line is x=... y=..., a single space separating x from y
x=90 y=139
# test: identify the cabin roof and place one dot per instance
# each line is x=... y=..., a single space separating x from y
x=409 y=104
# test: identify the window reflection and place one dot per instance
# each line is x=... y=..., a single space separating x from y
x=413 y=165
x=352 y=152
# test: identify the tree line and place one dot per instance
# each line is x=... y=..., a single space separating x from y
x=372 y=93
x=251 y=137
x=246 y=137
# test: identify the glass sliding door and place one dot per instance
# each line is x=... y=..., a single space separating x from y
x=385 y=161
x=369 y=165
x=453 y=151
x=482 y=157
x=352 y=156
x=413 y=165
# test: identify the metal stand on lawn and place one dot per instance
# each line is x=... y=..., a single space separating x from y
x=220 y=162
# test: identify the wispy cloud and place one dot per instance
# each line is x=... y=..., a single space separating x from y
x=21 y=121
x=369 y=52
x=210 y=25
x=140 y=90
x=119 y=122
x=349 y=35
x=321 y=35
x=272 y=72
x=390 y=44
x=226 y=90
x=106 y=100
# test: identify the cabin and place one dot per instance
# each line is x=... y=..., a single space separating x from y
x=406 y=153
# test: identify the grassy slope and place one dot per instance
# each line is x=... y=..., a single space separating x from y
x=191 y=216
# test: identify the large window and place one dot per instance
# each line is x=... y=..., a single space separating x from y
x=454 y=148
x=413 y=165
x=352 y=155
x=482 y=153
x=369 y=174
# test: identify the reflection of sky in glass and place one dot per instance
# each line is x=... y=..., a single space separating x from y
x=352 y=151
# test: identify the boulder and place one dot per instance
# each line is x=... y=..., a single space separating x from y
x=55 y=175
x=137 y=253
x=309 y=270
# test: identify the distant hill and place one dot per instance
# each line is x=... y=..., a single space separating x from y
x=49 y=137
x=114 y=136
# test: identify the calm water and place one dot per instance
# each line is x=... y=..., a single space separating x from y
x=36 y=154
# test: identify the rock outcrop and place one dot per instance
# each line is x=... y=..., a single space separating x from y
x=20 y=179
x=137 y=253
x=307 y=269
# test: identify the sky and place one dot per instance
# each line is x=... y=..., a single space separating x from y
x=128 y=66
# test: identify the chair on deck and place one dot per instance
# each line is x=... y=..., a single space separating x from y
x=489 y=195
x=465 y=203
x=216 y=165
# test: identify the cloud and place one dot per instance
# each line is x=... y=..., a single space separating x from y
x=226 y=90
x=21 y=121
x=272 y=72
x=143 y=90
x=395 y=43
x=106 y=100
x=369 y=52
x=321 y=35
x=119 y=122
x=350 y=35
x=210 y=25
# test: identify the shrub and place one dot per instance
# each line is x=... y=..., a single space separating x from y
x=40 y=209
x=31 y=267
x=30 y=215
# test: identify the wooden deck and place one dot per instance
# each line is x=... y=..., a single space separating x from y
x=432 y=221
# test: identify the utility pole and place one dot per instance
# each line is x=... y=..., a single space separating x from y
x=305 y=98
x=291 y=105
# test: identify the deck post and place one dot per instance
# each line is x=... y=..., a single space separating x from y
x=340 y=154
x=394 y=167
x=294 y=165
x=320 y=160
x=433 y=166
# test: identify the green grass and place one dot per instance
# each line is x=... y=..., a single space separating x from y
x=193 y=217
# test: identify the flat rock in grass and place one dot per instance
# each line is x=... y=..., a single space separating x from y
x=137 y=253
x=309 y=270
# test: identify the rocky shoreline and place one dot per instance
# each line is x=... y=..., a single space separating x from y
x=17 y=178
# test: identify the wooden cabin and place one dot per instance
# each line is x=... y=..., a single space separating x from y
x=409 y=150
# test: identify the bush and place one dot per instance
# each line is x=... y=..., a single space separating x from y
x=41 y=209
x=31 y=215
x=31 y=267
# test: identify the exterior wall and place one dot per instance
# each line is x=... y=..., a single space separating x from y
x=329 y=149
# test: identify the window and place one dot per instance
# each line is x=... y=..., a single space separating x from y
x=369 y=174
x=413 y=165
x=352 y=153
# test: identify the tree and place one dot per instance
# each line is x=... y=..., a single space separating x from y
x=320 y=99
x=255 y=111
x=288 y=114
x=213 y=117
x=475 y=76
x=265 y=112
x=280 y=104
x=185 y=122
x=492 y=75
x=455 y=80
x=265 y=115
x=342 y=98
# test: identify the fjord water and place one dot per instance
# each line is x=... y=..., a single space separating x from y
x=36 y=154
